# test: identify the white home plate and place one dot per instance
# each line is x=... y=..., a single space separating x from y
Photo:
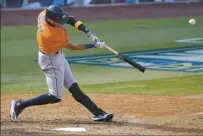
x=73 y=129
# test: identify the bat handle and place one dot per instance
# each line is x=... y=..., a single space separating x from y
x=111 y=50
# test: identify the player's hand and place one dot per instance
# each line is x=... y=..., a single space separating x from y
x=100 y=44
x=92 y=37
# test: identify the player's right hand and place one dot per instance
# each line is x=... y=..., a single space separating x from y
x=100 y=44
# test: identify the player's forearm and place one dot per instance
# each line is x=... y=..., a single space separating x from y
x=75 y=47
x=78 y=25
x=79 y=46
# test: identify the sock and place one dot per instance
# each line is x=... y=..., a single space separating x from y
x=83 y=99
x=39 y=100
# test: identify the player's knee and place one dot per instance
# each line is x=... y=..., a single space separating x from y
x=74 y=89
x=77 y=94
x=54 y=99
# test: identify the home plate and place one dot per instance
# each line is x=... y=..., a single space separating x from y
x=73 y=129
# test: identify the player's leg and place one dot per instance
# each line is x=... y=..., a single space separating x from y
x=54 y=77
x=17 y=106
x=71 y=84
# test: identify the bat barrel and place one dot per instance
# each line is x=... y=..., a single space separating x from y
x=126 y=59
x=133 y=63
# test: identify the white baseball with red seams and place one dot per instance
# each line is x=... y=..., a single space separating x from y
x=192 y=21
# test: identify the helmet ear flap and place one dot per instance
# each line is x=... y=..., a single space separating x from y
x=47 y=15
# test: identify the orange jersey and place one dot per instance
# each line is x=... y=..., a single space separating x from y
x=50 y=39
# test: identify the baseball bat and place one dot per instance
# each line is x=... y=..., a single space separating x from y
x=126 y=59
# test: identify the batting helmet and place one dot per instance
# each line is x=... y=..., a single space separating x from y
x=57 y=14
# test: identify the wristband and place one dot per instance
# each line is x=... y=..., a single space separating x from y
x=77 y=24
x=83 y=28
x=89 y=45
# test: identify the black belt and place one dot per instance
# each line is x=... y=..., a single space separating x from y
x=46 y=53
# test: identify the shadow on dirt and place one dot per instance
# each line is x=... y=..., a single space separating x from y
x=113 y=123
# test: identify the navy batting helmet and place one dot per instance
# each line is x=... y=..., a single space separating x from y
x=57 y=14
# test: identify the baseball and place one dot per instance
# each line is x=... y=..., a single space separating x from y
x=192 y=21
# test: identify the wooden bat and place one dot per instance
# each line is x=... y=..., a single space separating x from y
x=126 y=59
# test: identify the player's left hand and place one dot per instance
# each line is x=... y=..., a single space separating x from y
x=100 y=44
x=93 y=37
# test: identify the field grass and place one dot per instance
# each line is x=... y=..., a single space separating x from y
x=176 y=86
x=179 y=86
x=20 y=74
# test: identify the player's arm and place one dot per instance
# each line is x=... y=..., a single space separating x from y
x=77 y=24
x=80 y=26
x=73 y=46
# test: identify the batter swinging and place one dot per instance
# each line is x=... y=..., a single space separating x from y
x=51 y=38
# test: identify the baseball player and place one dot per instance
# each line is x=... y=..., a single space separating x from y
x=51 y=38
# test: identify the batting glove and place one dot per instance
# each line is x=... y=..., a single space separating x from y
x=92 y=37
x=100 y=44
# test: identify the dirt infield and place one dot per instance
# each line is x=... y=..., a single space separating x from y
x=134 y=114
x=27 y=17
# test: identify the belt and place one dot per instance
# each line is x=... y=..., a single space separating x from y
x=47 y=53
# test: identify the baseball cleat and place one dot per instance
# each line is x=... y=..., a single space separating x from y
x=105 y=117
x=15 y=109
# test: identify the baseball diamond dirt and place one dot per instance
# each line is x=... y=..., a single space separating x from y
x=134 y=114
